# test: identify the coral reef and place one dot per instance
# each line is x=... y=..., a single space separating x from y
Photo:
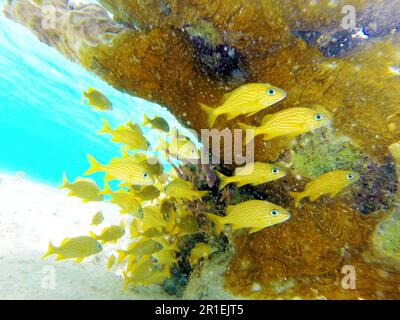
x=180 y=53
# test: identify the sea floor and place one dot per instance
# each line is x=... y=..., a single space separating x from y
x=31 y=214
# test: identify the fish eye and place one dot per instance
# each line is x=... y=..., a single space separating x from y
x=99 y=246
x=145 y=175
x=318 y=117
x=350 y=176
x=270 y=92
x=274 y=212
x=275 y=170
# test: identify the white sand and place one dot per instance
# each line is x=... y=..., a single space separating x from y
x=31 y=214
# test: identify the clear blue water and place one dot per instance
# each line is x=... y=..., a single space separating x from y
x=44 y=127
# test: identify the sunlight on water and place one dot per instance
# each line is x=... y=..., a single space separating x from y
x=44 y=126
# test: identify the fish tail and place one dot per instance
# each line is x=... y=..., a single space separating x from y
x=297 y=196
x=107 y=190
x=224 y=180
x=94 y=165
x=106 y=127
x=93 y=235
x=121 y=255
x=201 y=194
x=146 y=120
x=211 y=112
x=50 y=250
x=217 y=220
x=126 y=281
x=65 y=182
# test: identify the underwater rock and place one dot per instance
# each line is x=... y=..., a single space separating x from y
x=377 y=187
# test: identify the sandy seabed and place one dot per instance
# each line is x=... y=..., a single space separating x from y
x=32 y=214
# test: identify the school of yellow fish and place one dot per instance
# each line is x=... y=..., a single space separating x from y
x=153 y=200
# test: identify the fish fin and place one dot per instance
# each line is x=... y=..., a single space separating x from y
x=65 y=183
x=106 y=127
x=217 y=220
x=124 y=153
x=107 y=190
x=314 y=197
x=211 y=113
x=65 y=241
x=93 y=235
x=78 y=260
x=90 y=90
x=94 y=166
x=253 y=113
x=109 y=177
x=231 y=116
x=266 y=119
x=121 y=256
x=60 y=257
x=244 y=126
x=254 y=230
x=50 y=250
x=126 y=281
x=224 y=180
x=146 y=120
x=333 y=194
x=297 y=196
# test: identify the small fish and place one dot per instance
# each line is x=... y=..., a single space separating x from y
x=290 y=122
x=145 y=272
x=97 y=219
x=110 y=234
x=147 y=193
x=330 y=183
x=131 y=136
x=248 y=99
x=111 y=261
x=126 y=170
x=253 y=214
x=200 y=251
x=97 y=100
x=75 y=248
x=166 y=257
x=186 y=226
x=156 y=123
x=152 y=218
x=181 y=189
x=253 y=173
x=85 y=189
x=140 y=248
x=126 y=200
x=179 y=147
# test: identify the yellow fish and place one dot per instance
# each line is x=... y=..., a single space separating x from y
x=152 y=218
x=110 y=261
x=147 y=193
x=140 y=248
x=253 y=214
x=126 y=170
x=97 y=100
x=97 y=219
x=126 y=200
x=181 y=189
x=110 y=234
x=145 y=272
x=166 y=257
x=290 y=122
x=156 y=123
x=253 y=173
x=130 y=135
x=330 y=183
x=85 y=189
x=200 y=251
x=75 y=248
x=187 y=225
x=248 y=99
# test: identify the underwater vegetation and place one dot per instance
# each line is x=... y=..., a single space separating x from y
x=187 y=53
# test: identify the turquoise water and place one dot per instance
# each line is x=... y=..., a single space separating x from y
x=44 y=127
